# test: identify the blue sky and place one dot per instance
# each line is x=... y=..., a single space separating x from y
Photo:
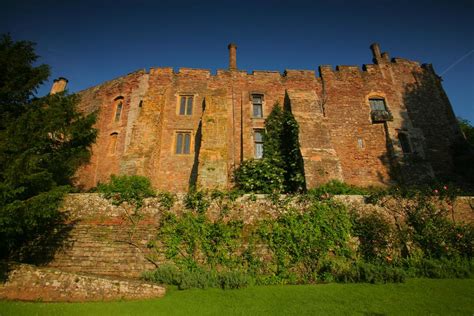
x=90 y=42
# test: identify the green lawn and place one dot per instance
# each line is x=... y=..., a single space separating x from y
x=415 y=297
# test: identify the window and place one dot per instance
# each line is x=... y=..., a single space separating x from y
x=360 y=143
x=377 y=105
x=379 y=112
x=118 y=111
x=257 y=105
x=186 y=105
x=118 y=103
x=404 y=143
x=183 y=143
x=113 y=143
x=258 y=140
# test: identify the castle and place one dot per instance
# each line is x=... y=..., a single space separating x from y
x=389 y=120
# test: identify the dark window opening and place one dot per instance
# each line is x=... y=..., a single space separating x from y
x=113 y=143
x=183 y=143
x=404 y=143
x=258 y=140
x=118 y=111
x=186 y=105
x=257 y=105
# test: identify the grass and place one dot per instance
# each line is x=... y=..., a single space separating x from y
x=415 y=297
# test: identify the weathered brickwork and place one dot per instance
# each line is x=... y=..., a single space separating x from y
x=339 y=137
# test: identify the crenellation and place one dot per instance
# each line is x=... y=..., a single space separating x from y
x=193 y=128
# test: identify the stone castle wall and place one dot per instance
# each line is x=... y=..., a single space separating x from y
x=102 y=241
x=337 y=135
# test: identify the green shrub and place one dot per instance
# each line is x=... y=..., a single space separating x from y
x=375 y=235
x=259 y=176
x=300 y=240
x=234 y=280
x=335 y=187
x=164 y=274
x=197 y=278
x=438 y=268
x=192 y=239
x=436 y=235
x=197 y=201
x=166 y=199
x=131 y=189
x=372 y=273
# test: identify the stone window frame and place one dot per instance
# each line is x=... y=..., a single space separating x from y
x=256 y=142
x=262 y=104
x=180 y=96
x=118 y=106
x=175 y=142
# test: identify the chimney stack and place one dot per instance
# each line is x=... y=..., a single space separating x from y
x=59 y=85
x=379 y=58
x=232 y=56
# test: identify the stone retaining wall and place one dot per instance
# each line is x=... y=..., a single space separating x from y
x=103 y=241
x=31 y=283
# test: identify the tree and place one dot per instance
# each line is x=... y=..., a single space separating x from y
x=42 y=143
x=281 y=169
x=467 y=129
x=463 y=154
x=281 y=146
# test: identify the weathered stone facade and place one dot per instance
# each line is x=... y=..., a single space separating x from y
x=356 y=125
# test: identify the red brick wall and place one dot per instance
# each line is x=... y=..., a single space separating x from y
x=337 y=136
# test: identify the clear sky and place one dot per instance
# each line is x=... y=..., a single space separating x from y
x=90 y=42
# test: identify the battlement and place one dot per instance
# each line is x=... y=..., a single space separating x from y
x=191 y=127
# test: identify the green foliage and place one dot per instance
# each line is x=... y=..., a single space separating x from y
x=192 y=240
x=435 y=235
x=281 y=169
x=197 y=201
x=463 y=154
x=281 y=146
x=166 y=199
x=335 y=187
x=375 y=236
x=313 y=244
x=131 y=189
x=437 y=268
x=347 y=271
x=259 y=176
x=301 y=240
x=42 y=143
x=467 y=129
x=197 y=278
x=294 y=165
x=19 y=79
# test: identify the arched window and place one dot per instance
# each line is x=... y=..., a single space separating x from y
x=118 y=108
x=113 y=143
